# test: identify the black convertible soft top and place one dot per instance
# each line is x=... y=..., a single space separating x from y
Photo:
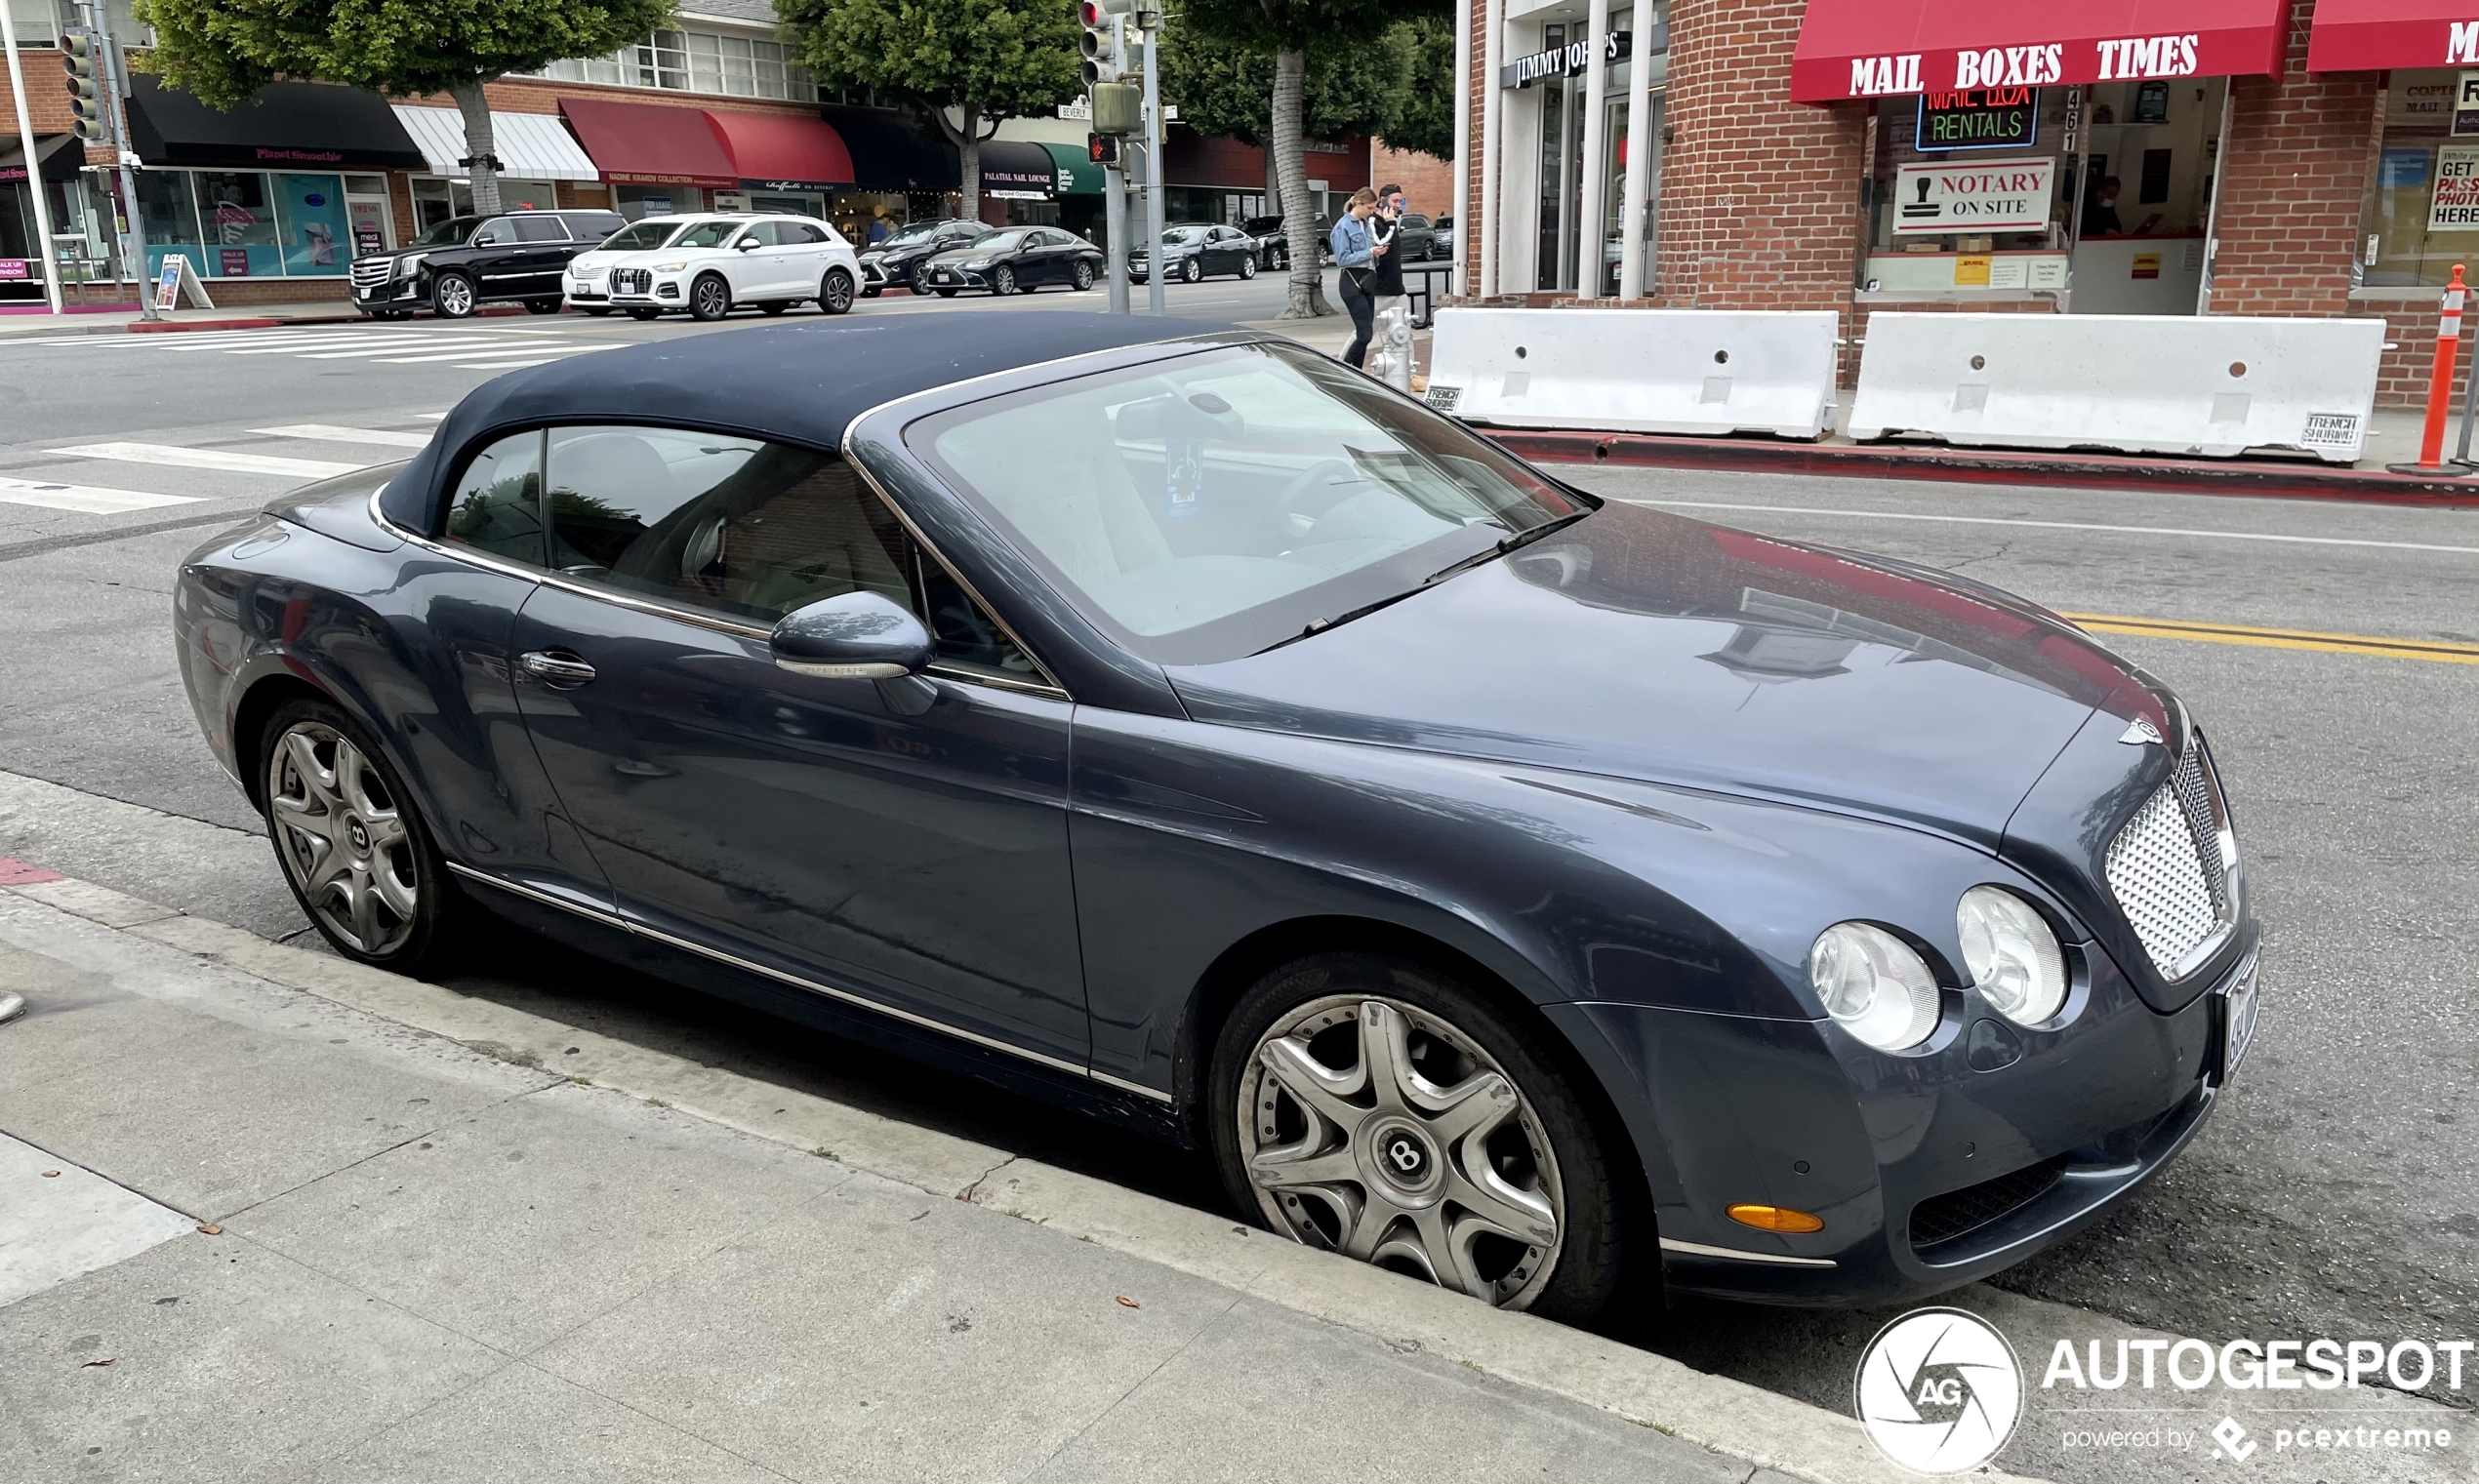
x=802 y=383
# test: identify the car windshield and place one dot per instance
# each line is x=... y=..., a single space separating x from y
x=706 y=234
x=639 y=236
x=449 y=233
x=998 y=242
x=917 y=231
x=1258 y=226
x=1212 y=506
x=1181 y=236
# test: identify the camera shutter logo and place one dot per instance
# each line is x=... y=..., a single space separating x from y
x=1939 y=1391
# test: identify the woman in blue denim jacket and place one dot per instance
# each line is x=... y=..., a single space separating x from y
x=1356 y=250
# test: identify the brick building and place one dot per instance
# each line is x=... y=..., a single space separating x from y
x=2219 y=157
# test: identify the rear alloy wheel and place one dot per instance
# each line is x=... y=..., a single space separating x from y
x=1192 y=271
x=1374 y=1108
x=710 y=298
x=834 y=291
x=355 y=854
x=1281 y=259
x=1083 y=276
x=1002 y=281
x=451 y=296
x=1248 y=267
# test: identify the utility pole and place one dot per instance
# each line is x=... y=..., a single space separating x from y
x=1150 y=21
x=115 y=89
x=1114 y=106
x=33 y=167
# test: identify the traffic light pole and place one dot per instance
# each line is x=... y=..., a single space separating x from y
x=1154 y=268
x=33 y=167
x=1115 y=199
x=133 y=226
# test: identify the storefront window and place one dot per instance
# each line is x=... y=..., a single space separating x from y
x=316 y=236
x=168 y=214
x=635 y=201
x=1982 y=206
x=697 y=62
x=2422 y=211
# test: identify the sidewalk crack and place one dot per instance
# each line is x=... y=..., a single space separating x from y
x=975 y=1185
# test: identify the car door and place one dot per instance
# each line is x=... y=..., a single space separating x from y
x=1053 y=251
x=807 y=249
x=543 y=249
x=903 y=841
x=749 y=261
x=496 y=259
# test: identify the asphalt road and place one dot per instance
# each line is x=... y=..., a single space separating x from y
x=2332 y=1194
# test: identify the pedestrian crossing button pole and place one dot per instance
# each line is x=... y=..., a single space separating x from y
x=2440 y=390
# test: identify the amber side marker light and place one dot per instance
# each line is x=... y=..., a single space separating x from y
x=1776 y=1219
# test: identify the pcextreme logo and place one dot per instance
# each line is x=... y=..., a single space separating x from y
x=1939 y=1390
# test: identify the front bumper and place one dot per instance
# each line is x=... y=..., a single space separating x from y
x=1928 y=1174
x=952 y=278
x=394 y=292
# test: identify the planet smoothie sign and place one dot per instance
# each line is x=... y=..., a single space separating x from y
x=1979 y=196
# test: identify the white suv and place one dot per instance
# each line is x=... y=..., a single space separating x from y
x=708 y=265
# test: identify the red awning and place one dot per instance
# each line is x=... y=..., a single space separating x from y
x=2373 y=35
x=1868 y=47
x=780 y=151
x=649 y=144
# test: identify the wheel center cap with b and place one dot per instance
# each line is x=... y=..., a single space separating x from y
x=1402 y=1157
x=359 y=834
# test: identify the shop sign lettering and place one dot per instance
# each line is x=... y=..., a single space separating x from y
x=2148 y=56
x=2454 y=208
x=2000 y=196
x=2009 y=66
x=2467 y=104
x=1876 y=76
x=1979 y=118
x=2462 y=45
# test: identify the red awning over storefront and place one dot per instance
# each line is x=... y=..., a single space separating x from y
x=2374 y=35
x=1870 y=48
x=779 y=151
x=649 y=144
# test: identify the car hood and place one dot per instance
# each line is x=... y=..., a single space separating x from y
x=1647 y=646
x=959 y=255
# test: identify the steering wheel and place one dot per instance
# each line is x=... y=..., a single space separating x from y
x=1321 y=473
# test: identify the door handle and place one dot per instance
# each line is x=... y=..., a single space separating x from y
x=556 y=669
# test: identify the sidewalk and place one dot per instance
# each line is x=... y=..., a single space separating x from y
x=267 y=1215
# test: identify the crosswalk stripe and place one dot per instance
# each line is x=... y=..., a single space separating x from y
x=503 y=365
x=85 y=498
x=178 y=457
x=432 y=416
x=328 y=432
x=483 y=350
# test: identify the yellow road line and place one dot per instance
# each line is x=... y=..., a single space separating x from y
x=2438 y=651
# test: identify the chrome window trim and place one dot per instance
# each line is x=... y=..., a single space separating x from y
x=1700 y=1249
x=1047 y=686
x=846 y=997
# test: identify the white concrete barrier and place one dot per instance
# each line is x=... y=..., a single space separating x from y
x=1636 y=370
x=2138 y=384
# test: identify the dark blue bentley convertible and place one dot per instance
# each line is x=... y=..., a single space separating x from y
x=1529 y=894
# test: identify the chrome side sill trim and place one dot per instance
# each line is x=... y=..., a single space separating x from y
x=641 y=930
x=1699 y=1250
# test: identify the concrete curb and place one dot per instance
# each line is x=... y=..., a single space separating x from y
x=2254 y=477
x=1727 y=1417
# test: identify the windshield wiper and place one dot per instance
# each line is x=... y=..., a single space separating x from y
x=1489 y=553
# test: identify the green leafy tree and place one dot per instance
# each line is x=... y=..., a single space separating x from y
x=1226 y=88
x=1431 y=110
x=224 y=51
x=987 y=61
x=1289 y=32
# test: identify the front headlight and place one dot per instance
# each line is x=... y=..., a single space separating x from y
x=1874 y=986
x=2014 y=958
x=974 y=264
x=409 y=265
x=670 y=267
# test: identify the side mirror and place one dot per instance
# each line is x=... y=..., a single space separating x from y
x=746 y=245
x=857 y=636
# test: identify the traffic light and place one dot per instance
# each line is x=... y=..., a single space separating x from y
x=1104 y=148
x=1100 y=43
x=85 y=90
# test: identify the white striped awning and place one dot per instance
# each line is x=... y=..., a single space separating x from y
x=531 y=147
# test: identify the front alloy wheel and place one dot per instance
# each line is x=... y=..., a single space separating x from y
x=1192 y=271
x=1380 y=1110
x=451 y=296
x=1004 y=281
x=1083 y=276
x=1248 y=267
x=710 y=298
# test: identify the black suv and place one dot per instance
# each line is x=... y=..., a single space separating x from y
x=889 y=263
x=457 y=266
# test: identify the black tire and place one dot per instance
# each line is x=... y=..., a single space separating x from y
x=1248 y=267
x=407 y=943
x=947 y=293
x=454 y=297
x=710 y=298
x=634 y=312
x=1002 y=281
x=1083 y=275
x=1192 y=270
x=774 y=306
x=541 y=307
x=598 y=311
x=834 y=292
x=387 y=314
x=1281 y=259
x=872 y=291
x=1587 y=1269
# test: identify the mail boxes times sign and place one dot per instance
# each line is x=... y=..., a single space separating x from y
x=2456 y=205
x=1975 y=196
x=2035 y=65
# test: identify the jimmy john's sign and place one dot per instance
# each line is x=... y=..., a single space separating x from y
x=1819 y=75
x=1978 y=196
x=1568 y=60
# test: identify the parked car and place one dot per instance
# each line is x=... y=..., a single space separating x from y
x=1518 y=890
x=1190 y=250
x=1274 y=249
x=890 y=264
x=465 y=263
x=1015 y=259
x=1444 y=232
x=708 y=265
x=1416 y=239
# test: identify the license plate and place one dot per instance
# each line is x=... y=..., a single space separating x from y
x=2239 y=1003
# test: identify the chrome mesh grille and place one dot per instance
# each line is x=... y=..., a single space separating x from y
x=631 y=280
x=2166 y=869
x=370 y=272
